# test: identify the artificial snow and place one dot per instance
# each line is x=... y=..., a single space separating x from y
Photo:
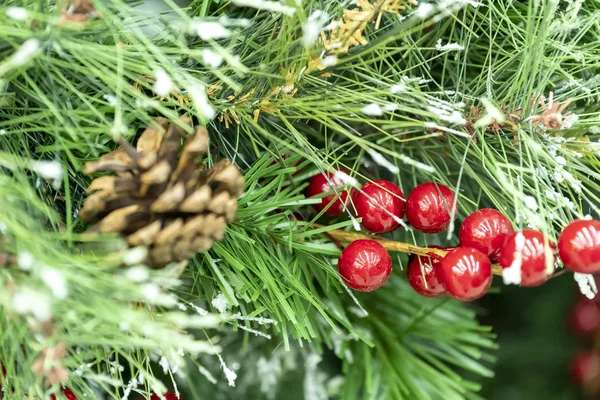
x=51 y=170
x=25 y=260
x=17 y=13
x=448 y=46
x=266 y=5
x=531 y=203
x=424 y=10
x=136 y=255
x=229 y=374
x=372 y=109
x=313 y=27
x=409 y=161
x=344 y=178
x=55 y=281
x=163 y=84
x=25 y=53
x=199 y=310
x=390 y=107
x=137 y=273
x=34 y=302
x=208 y=30
x=198 y=94
x=259 y=320
x=382 y=161
x=220 y=303
x=587 y=284
x=209 y=377
x=110 y=99
x=329 y=61
x=268 y=372
x=212 y=59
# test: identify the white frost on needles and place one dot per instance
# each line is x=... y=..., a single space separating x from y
x=51 y=170
x=55 y=281
x=198 y=94
x=448 y=46
x=530 y=203
x=25 y=260
x=382 y=161
x=313 y=27
x=163 y=85
x=34 y=302
x=512 y=274
x=229 y=374
x=587 y=284
x=344 y=178
x=220 y=303
x=17 y=13
x=25 y=53
x=212 y=59
x=266 y=5
x=207 y=30
x=372 y=109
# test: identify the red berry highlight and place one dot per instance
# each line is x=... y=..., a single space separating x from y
x=579 y=246
x=585 y=368
x=466 y=273
x=380 y=204
x=428 y=207
x=325 y=183
x=166 y=396
x=486 y=230
x=365 y=265
x=67 y=394
x=422 y=272
x=528 y=245
x=584 y=319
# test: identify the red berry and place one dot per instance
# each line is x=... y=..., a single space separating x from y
x=428 y=207
x=422 y=274
x=380 y=204
x=584 y=318
x=585 y=368
x=365 y=265
x=167 y=396
x=533 y=256
x=486 y=230
x=466 y=273
x=67 y=393
x=324 y=183
x=579 y=246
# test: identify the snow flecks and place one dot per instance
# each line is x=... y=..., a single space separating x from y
x=382 y=161
x=220 y=303
x=229 y=374
x=26 y=260
x=31 y=301
x=259 y=320
x=417 y=164
x=52 y=170
x=17 y=13
x=268 y=373
x=568 y=121
x=55 y=281
x=390 y=107
x=531 y=203
x=206 y=373
x=314 y=388
x=425 y=10
x=266 y=5
x=448 y=46
x=329 y=61
x=24 y=53
x=137 y=273
x=397 y=88
x=355 y=223
x=313 y=27
x=344 y=178
x=163 y=85
x=587 y=284
x=512 y=274
x=211 y=58
x=452 y=117
x=255 y=332
x=136 y=255
x=372 y=109
x=492 y=113
x=201 y=311
x=208 y=30
x=433 y=125
x=198 y=94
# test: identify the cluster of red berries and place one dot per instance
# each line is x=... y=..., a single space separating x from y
x=465 y=273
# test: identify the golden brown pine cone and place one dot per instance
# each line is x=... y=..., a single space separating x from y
x=169 y=203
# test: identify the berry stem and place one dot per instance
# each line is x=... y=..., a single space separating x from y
x=391 y=245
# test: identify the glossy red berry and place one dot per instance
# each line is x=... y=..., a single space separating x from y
x=585 y=368
x=466 y=273
x=486 y=230
x=380 y=204
x=326 y=183
x=579 y=246
x=584 y=319
x=532 y=254
x=428 y=207
x=365 y=265
x=166 y=396
x=422 y=272
x=67 y=394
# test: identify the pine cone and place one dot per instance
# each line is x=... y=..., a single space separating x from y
x=172 y=205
